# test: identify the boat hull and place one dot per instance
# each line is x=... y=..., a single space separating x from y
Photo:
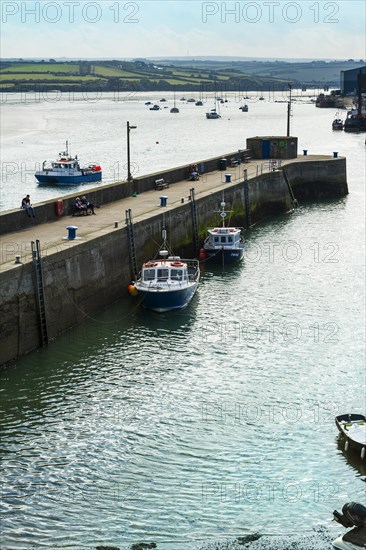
x=56 y=179
x=166 y=300
x=355 y=125
x=355 y=439
x=225 y=256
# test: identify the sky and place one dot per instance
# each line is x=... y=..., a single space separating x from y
x=168 y=28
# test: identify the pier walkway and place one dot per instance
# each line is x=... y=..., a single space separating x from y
x=51 y=235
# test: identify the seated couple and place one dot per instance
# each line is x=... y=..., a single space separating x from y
x=82 y=205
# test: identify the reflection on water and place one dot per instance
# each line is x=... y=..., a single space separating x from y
x=352 y=458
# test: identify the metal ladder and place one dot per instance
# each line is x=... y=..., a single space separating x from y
x=295 y=204
x=247 y=205
x=37 y=263
x=194 y=221
x=131 y=244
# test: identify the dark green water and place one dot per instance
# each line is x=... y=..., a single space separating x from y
x=206 y=424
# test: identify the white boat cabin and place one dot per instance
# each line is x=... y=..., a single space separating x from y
x=165 y=271
x=224 y=237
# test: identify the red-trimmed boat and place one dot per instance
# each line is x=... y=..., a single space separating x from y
x=66 y=170
x=168 y=282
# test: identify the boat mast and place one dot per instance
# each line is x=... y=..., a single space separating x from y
x=223 y=213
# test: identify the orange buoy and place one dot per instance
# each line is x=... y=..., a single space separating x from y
x=132 y=290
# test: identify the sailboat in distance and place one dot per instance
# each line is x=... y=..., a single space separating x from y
x=213 y=112
x=175 y=108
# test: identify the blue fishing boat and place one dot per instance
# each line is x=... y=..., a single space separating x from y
x=224 y=245
x=66 y=170
x=166 y=282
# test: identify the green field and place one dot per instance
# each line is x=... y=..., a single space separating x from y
x=47 y=77
x=41 y=68
x=186 y=75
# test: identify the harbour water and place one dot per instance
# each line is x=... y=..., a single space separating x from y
x=196 y=427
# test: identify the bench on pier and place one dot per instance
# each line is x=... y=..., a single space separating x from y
x=81 y=211
x=247 y=158
x=161 y=184
x=234 y=163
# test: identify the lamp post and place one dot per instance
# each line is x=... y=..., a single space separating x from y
x=289 y=112
x=129 y=176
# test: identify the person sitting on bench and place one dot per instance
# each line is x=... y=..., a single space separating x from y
x=79 y=206
x=194 y=176
x=89 y=205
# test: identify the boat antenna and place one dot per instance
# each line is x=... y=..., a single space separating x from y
x=223 y=213
x=164 y=250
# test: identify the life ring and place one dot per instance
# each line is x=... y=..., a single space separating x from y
x=232 y=230
x=150 y=264
x=177 y=264
x=215 y=230
x=59 y=207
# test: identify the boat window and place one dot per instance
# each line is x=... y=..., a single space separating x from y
x=216 y=239
x=176 y=274
x=163 y=274
x=223 y=239
x=149 y=274
x=229 y=239
x=185 y=274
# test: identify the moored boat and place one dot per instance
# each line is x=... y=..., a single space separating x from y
x=352 y=428
x=213 y=114
x=224 y=245
x=337 y=124
x=355 y=121
x=155 y=108
x=168 y=282
x=66 y=170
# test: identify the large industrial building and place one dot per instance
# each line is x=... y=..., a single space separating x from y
x=349 y=80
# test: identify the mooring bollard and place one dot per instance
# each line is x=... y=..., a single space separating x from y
x=245 y=174
x=17 y=260
x=163 y=200
x=72 y=232
x=227 y=178
x=115 y=224
x=335 y=154
x=305 y=151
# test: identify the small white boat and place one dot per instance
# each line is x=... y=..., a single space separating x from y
x=337 y=123
x=213 y=114
x=224 y=245
x=155 y=108
x=352 y=428
x=168 y=282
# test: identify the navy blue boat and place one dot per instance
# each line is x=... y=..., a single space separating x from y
x=66 y=170
x=224 y=245
x=167 y=283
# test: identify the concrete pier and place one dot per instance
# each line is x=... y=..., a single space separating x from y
x=83 y=276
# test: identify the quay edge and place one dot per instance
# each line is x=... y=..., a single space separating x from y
x=88 y=276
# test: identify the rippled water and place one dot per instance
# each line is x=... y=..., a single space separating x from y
x=196 y=427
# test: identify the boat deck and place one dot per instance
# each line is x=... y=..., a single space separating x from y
x=51 y=235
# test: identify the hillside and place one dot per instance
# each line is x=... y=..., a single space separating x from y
x=147 y=75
